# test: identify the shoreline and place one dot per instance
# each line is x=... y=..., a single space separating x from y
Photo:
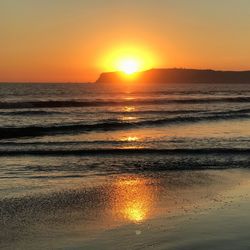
x=139 y=210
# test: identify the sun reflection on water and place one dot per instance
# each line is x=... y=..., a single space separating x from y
x=130 y=139
x=129 y=98
x=129 y=109
x=128 y=118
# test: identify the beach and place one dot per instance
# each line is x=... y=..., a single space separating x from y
x=174 y=210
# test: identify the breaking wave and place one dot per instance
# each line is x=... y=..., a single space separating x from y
x=96 y=103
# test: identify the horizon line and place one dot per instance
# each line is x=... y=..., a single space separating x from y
x=93 y=82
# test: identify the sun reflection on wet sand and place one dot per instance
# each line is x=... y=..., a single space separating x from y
x=133 y=199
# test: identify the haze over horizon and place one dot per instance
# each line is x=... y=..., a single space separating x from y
x=70 y=41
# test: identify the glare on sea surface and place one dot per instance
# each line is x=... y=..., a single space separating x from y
x=130 y=138
x=128 y=118
x=129 y=109
x=132 y=142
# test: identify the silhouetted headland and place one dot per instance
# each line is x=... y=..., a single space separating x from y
x=178 y=76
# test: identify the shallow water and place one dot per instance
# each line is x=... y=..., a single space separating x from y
x=87 y=130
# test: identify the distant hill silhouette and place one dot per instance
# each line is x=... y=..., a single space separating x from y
x=178 y=76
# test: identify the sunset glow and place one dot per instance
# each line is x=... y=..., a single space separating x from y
x=128 y=59
x=128 y=66
x=72 y=45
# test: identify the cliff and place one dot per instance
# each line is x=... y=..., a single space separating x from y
x=178 y=76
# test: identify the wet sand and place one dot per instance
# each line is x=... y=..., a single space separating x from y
x=166 y=210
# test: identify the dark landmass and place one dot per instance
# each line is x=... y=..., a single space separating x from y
x=177 y=76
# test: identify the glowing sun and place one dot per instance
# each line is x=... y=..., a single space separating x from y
x=128 y=66
x=128 y=59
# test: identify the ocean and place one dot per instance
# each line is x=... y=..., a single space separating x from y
x=59 y=140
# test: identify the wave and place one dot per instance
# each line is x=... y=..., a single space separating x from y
x=29 y=113
x=131 y=113
x=138 y=112
x=179 y=112
x=96 y=103
x=126 y=151
x=109 y=125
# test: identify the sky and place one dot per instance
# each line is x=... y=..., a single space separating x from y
x=76 y=40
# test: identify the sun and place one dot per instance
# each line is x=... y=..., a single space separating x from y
x=128 y=66
x=128 y=59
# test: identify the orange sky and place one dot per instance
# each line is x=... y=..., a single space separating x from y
x=70 y=41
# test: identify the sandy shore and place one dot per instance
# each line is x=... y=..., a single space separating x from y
x=167 y=210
